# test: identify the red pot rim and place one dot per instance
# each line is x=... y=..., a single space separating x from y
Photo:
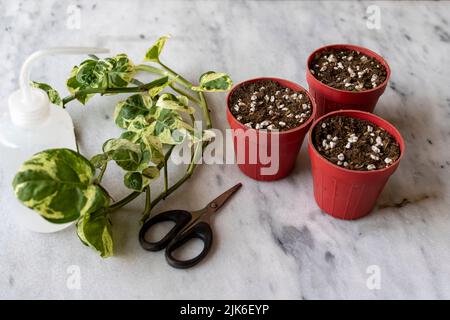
x=290 y=85
x=364 y=50
x=350 y=113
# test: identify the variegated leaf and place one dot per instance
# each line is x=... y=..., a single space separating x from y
x=214 y=81
x=155 y=50
x=94 y=230
x=126 y=111
x=52 y=94
x=158 y=85
x=139 y=180
x=58 y=184
x=115 y=72
x=126 y=154
x=172 y=102
x=121 y=71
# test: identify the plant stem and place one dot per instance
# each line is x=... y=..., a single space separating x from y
x=183 y=93
x=124 y=201
x=148 y=204
x=166 y=178
x=186 y=176
x=199 y=147
x=205 y=110
x=183 y=80
x=102 y=172
x=68 y=99
x=133 y=195
x=151 y=69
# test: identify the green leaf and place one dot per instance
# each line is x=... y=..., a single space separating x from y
x=134 y=181
x=126 y=111
x=126 y=154
x=52 y=94
x=158 y=85
x=132 y=136
x=171 y=102
x=214 y=81
x=99 y=160
x=94 y=230
x=121 y=71
x=58 y=184
x=151 y=173
x=155 y=145
x=115 y=72
x=155 y=50
x=138 y=181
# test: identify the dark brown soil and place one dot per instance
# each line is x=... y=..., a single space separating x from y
x=266 y=104
x=355 y=144
x=347 y=70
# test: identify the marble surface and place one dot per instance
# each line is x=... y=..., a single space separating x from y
x=272 y=241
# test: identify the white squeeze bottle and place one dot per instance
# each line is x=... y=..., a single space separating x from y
x=30 y=125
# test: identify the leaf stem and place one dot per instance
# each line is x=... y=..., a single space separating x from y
x=148 y=204
x=166 y=177
x=141 y=88
x=124 y=201
x=183 y=80
x=149 y=68
x=205 y=109
x=187 y=175
x=184 y=93
x=102 y=172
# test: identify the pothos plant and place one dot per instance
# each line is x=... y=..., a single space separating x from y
x=63 y=186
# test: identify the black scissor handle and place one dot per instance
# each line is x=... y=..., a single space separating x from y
x=201 y=231
x=181 y=219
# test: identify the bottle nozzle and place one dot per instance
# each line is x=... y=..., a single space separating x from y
x=30 y=105
x=26 y=67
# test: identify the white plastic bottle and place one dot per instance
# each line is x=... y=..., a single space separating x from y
x=30 y=125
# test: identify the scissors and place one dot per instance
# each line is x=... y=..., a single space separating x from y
x=188 y=225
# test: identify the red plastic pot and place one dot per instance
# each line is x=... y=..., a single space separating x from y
x=329 y=99
x=349 y=194
x=249 y=141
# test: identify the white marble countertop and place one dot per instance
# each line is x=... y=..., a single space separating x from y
x=272 y=241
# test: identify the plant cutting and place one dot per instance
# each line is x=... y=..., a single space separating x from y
x=343 y=76
x=353 y=154
x=269 y=118
x=63 y=186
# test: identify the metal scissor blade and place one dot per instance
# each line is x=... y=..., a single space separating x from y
x=220 y=200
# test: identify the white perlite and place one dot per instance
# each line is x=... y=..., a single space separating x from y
x=341 y=156
x=353 y=138
x=371 y=167
x=388 y=160
x=378 y=141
